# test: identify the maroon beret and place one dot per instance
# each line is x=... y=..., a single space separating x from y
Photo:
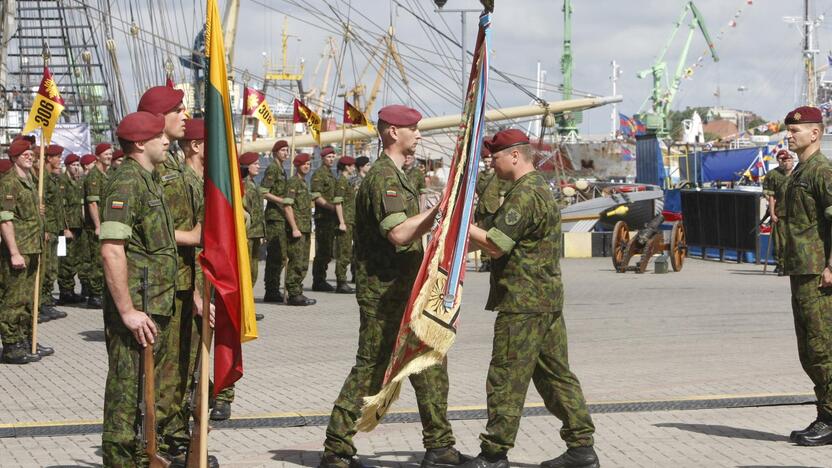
x=249 y=158
x=5 y=165
x=805 y=114
x=30 y=138
x=118 y=154
x=301 y=159
x=399 y=115
x=278 y=145
x=71 y=158
x=783 y=152
x=160 y=100
x=140 y=126
x=87 y=159
x=327 y=150
x=346 y=160
x=194 y=129
x=54 y=150
x=102 y=147
x=484 y=151
x=18 y=147
x=506 y=139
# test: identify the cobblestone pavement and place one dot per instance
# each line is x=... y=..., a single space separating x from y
x=712 y=330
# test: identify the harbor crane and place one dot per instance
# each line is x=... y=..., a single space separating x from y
x=664 y=88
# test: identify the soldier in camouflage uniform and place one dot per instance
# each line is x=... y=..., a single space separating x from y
x=326 y=222
x=416 y=177
x=344 y=202
x=93 y=183
x=22 y=231
x=52 y=194
x=774 y=188
x=137 y=232
x=253 y=205
x=297 y=205
x=272 y=187
x=84 y=260
x=807 y=259
x=388 y=253
x=118 y=158
x=490 y=189
x=73 y=207
x=529 y=332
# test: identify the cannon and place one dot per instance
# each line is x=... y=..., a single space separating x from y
x=648 y=241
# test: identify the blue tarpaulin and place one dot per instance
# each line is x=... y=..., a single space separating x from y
x=723 y=165
x=649 y=161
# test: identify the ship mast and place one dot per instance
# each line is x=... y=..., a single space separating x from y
x=567 y=128
x=809 y=56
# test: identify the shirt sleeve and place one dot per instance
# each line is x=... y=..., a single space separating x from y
x=824 y=181
x=8 y=203
x=92 y=189
x=340 y=191
x=513 y=221
x=388 y=203
x=290 y=193
x=119 y=212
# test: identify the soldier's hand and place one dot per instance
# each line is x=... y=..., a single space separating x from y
x=774 y=218
x=198 y=307
x=342 y=227
x=18 y=262
x=826 y=278
x=97 y=231
x=141 y=326
x=296 y=234
x=46 y=236
x=68 y=234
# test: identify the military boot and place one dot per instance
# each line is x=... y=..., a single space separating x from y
x=484 y=462
x=444 y=457
x=273 y=296
x=221 y=411
x=178 y=457
x=330 y=460
x=575 y=457
x=43 y=351
x=69 y=297
x=18 y=353
x=322 y=286
x=52 y=311
x=344 y=288
x=301 y=300
x=44 y=316
x=819 y=433
x=795 y=434
x=94 y=302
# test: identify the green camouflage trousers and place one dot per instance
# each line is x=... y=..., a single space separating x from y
x=17 y=299
x=532 y=347
x=68 y=265
x=96 y=274
x=811 y=307
x=254 y=257
x=49 y=269
x=276 y=255
x=343 y=253
x=778 y=234
x=324 y=246
x=173 y=406
x=227 y=394
x=376 y=337
x=298 y=252
x=83 y=260
x=119 y=439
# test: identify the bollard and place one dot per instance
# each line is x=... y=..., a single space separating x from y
x=660 y=264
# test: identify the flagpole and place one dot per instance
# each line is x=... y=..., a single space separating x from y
x=344 y=139
x=204 y=361
x=242 y=135
x=36 y=301
x=292 y=151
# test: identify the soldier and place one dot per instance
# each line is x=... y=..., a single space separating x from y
x=529 y=332
x=344 y=202
x=87 y=163
x=253 y=204
x=416 y=177
x=84 y=256
x=54 y=222
x=73 y=206
x=93 y=183
x=273 y=186
x=137 y=233
x=388 y=253
x=185 y=211
x=362 y=167
x=297 y=205
x=118 y=158
x=807 y=259
x=21 y=227
x=774 y=188
x=326 y=222
x=490 y=189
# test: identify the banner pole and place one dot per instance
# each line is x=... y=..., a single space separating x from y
x=36 y=301
x=204 y=357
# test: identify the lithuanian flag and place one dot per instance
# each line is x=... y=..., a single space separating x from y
x=224 y=258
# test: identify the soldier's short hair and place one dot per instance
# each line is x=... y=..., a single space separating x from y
x=526 y=151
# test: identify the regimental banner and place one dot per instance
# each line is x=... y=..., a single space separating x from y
x=46 y=109
x=255 y=105
x=312 y=120
x=353 y=116
x=429 y=324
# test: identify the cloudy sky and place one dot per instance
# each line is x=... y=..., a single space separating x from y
x=761 y=52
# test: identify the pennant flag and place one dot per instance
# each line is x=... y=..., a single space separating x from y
x=429 y=324
x=354 y=116
x=640 y=128
x=312 y=120
x=46 y=109
x=224 y=258
x=169 y=82
x=626 y=125
x=255 y=105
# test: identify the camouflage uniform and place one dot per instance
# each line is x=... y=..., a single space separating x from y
x=774 y=185
x=185 y=210
x=326 y=223
x=73 y=207
x=52 y=194
x=19 y=205
x=529 y=333
x=385 y=275
x=256 y=228
x=489 y=189
x=344 y=196
x=133 y=211
x=93 y=184
x=274 y=182
x=805 y=255
x=417 y=179
x=298 y=197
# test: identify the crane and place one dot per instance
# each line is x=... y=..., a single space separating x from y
x=386 y=44
x=317 y=94
x=664 y=90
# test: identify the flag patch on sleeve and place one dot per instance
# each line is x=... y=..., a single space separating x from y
x=391 y=193
x=117 y=205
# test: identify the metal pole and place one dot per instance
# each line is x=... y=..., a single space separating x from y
x=614 y=116
x=464 y=58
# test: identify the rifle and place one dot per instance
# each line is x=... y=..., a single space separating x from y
x=147 y=396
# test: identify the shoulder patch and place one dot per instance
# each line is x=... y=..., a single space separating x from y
x=512 y=217
x=118 y=204
x=169 y=176
x=391 y=193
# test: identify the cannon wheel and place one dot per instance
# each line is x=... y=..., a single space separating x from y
x=678 y=246
x=620 y=240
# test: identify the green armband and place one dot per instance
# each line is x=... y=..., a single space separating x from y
x=114 y=230
x=500 y=239
x=391 y=221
